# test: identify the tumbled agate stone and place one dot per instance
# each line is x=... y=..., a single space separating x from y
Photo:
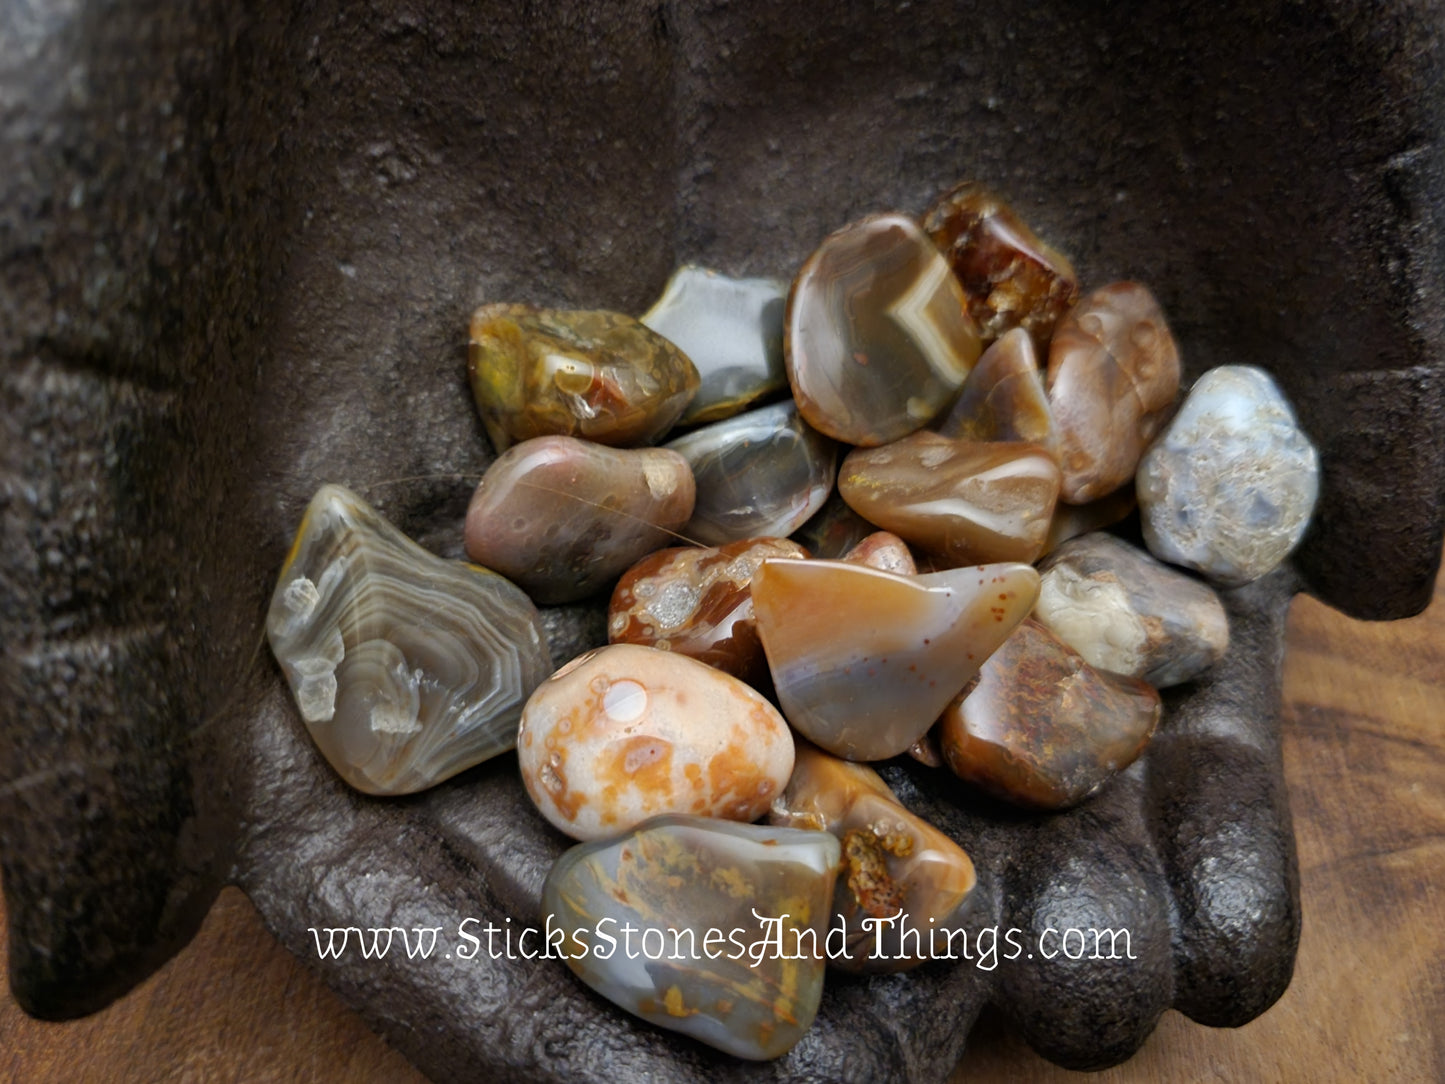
x=699 y=603
x=565 y=517
x=963 y=502
x=599 y=375
x=701 y=960
x=1041 y=727
x=624 y=733
x=732 y=330
x=760 y=474
x=406 y=668
x=1003 y=397
x=895 y=865
x=1011 y=278
x=1230 y=486
x=1126 y=612
x=1112 y=381
x=884 y=551
x=864 y=661
x=877 y=338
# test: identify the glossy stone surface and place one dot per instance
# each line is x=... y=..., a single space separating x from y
x=864 y=661
x=1003 y=397
x=1041 y=727
x=961 y=501
x=884 y=551
x=731 y=330
x=877 y=339
x=406 y=668
x=700 y=960
x=759 y=475
x=699 y=603
x=1112 y=380
x=565 y=517
x=1125 y=612
x=624 y=733
x=1230 y=486
x=893 y=861
x=834 y=530
x=1073 y=520
x=592 y=374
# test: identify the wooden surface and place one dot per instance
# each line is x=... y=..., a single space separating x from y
x=1364 y=745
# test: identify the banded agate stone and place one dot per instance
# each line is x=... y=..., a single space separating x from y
x=877 y=337
x=593 y=374
x=1011 y=278
x=1003 y=397
x=963 y=502
x=896 y=866
x=1041 y=727
x=759 y=474
x=864 y=661
x=728 y=923
x=565 y=517
x=732 y=330
x=406 y=668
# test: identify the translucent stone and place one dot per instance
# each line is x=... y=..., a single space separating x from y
x=1229 y=488
x=728 y=925
x=864 y=661
x=1011 y=278
x=899 y=873
x=877 y=339
x=1041 y=727
x=732 y=330
x=884 y=551
x=1112 y=381
x=961 y=501
x=699 y=603
x=1125 y=612
x=406 y=668
x=759 y=475
x=624 y=733
x=599 y=375
x=565 y=517
x=1003 y=398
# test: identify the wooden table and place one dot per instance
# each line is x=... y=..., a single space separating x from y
x=1364 y=748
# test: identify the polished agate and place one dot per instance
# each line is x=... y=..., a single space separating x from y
x=625 y=732
x=877 y=337
x=1010 y=277
x=732 y=330
x=1041 y=727
x=592 y=374
x=899 y=872
x=728 y=925
x=884 y=551
x=698 y=602
x=864 y=661
x=963 y=502
x=1003 y=397
x=1229 y=488
x=406 y=668
x=760 y=474
x=1112 y=380
x=565 y=517
x=1125 y=612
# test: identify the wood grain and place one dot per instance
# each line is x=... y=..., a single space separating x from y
x=1364 y=747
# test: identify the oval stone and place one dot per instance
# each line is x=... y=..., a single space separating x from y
x=593 y=374
x=1003 y=398
x=624 y=733
x=877 y=337
x=565 y=517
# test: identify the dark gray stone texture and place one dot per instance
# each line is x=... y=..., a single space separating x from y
x=239 y=244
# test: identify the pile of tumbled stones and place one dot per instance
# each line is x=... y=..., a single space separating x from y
x=751 y=676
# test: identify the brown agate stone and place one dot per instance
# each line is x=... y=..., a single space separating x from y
x=1113 y=378
x=1073 y=520
x=893 y=861
x=1011 y=278
x=884 y=551
x=1003 y=397
x=699 y=603
x=964 y=502
x=1041 y=727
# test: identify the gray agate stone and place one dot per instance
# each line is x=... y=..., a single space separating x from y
x=760 y=474
x=1229 y=486
x=406 y=668
x=732 y=330
x=728 y=927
